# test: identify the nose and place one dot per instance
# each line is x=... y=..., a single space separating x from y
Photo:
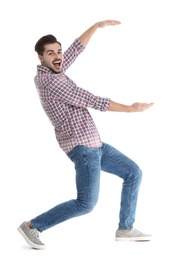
x=57 y=56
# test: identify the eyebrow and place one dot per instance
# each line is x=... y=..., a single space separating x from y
x=53 y=50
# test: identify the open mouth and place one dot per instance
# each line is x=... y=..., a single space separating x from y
x=57 y=64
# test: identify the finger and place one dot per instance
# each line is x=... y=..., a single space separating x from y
x=114 y=22
x=150 y=104
x=111 y=22
x=146 y=104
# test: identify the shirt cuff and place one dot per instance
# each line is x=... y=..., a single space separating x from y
x=102 y=103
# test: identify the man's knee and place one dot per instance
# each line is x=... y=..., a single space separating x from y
x=87 y=206
x=138 y=174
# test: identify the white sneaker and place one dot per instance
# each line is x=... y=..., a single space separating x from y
x=31 y=235
x=132 y=235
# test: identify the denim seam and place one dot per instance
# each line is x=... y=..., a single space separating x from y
x=114 y=161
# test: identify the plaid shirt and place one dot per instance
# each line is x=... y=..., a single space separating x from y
x=66 y=104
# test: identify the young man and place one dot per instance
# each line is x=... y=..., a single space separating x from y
x=66 y=106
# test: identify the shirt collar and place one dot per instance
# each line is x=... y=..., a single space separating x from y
x=41 y=68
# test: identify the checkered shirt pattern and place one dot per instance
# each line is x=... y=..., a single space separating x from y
x=66 y=104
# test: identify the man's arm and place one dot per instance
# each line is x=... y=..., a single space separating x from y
x=135 y=107
x=86 y=36
x=113 y=106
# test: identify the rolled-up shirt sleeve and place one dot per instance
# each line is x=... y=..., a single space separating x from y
x=65 y=90
x=101 y=103
x=71 y=54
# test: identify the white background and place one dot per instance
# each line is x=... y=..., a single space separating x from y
x=139 y=60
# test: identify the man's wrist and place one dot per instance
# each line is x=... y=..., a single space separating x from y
x=128 y=108
x=96 y=26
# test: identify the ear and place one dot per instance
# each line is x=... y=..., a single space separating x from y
x=40 y=57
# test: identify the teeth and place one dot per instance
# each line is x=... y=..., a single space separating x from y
x=57 y=62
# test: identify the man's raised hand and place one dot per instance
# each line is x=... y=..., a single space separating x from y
x=102 y=24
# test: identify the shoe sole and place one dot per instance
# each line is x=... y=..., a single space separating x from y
x=133 y=238
x=35 y=246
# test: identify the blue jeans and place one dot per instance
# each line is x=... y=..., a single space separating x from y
x=89 y=162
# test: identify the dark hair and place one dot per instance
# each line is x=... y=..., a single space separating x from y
x=47 y=39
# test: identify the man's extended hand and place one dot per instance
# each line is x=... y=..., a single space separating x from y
x=86 y=36
x=135 y=107
x=140 y=107
x=102 y=24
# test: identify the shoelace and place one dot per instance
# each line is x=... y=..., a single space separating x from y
x=35 y=233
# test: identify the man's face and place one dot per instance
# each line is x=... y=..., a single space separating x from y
x=52 y=57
